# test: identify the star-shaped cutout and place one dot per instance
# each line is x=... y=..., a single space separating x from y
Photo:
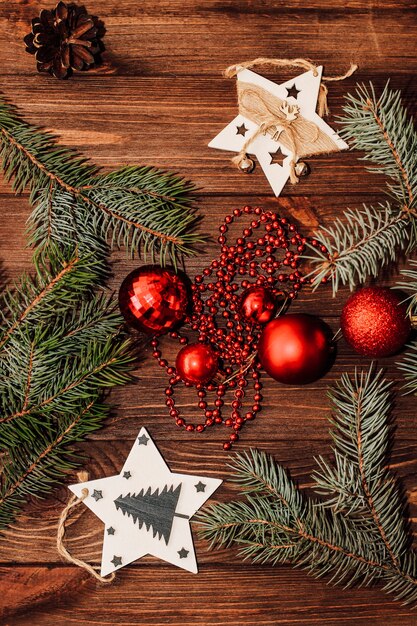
x=183 y=553
x=278 y=157
x=150 y=513
x=292 y=92
x=127 y=475
x=318 y=137
x=117 y=561
x=97 y=495
x=241 y=130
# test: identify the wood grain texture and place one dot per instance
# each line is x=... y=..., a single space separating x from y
x=168 y=123
x=158 y=99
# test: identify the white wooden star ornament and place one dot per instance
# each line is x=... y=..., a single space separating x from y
x=278 y=124
x=146 y=509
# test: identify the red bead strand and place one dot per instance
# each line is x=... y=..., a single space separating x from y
x=253 y=260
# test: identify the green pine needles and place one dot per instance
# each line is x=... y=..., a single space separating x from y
x=61 y=343
x=357 y=533
x=408 y=365
x=57 y=357
x=372 y=237
x=145 y=209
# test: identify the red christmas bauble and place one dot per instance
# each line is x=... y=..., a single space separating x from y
x=196 y=363
x=374 y=322
x=257 y=304
x=295 y=349
x=153 y=299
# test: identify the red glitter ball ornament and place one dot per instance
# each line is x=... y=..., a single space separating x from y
x=257 y=305
x=295 y=349
x=374 y=322
x=196 y=363
x=153 y=299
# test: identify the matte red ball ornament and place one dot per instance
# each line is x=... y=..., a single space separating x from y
x=153 y=299
x=196 y=363
x=374 y=322
x=258 y=305
x=296 y=349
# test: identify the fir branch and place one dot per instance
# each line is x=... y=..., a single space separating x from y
x=33 y=468
x=61 y=348
x=359 y=534
x=146 y=209
x=382 y=128
x=58 y=282
x=358 y=246
x=410 y=286
x=408 y=366
x=361 y=414
x=373 y=237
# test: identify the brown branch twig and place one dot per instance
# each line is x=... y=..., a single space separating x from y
x=29 y=377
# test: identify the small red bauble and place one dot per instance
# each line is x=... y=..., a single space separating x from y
x=295 y=349
x=196 y=363
x=153 y=299
x=374 y=322
x=257 y=304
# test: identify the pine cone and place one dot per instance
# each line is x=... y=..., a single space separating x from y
x=65 y=39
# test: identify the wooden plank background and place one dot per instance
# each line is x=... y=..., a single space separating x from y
x=158 y=99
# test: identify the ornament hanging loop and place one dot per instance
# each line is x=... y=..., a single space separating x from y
x=73 y=502
x=323 y=108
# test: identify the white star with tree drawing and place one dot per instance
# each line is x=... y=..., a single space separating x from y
x=146 y=509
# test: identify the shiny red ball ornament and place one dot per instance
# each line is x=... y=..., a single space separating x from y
x=257 y=304
x=295 y=349
x=196 y=363
x=374 y=322
x=153 y=299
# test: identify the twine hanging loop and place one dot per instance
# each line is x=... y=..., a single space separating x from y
x=73 y=502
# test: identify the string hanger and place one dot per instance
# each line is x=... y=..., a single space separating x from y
x=304 y=64
x=73 y=502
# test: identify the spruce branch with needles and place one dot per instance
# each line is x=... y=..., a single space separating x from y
x=62 y=344
x=372 y=237
x=149 y=211
x=357 y=533
x=408 y=365
x=62 y=347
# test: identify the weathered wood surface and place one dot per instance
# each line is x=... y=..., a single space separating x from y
x=159 y=99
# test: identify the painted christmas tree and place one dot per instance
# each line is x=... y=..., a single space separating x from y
x=155 y=509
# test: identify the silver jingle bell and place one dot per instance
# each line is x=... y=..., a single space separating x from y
x=302 y=168
x=247 y=165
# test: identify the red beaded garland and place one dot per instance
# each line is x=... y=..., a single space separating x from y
x=266 y=256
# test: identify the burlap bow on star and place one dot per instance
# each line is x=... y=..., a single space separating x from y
x=281 y=120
